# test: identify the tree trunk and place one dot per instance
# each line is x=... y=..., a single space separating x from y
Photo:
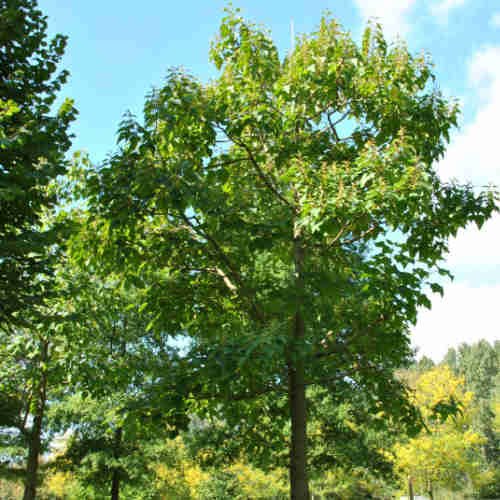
x=115 y=480
x=35 y=435
x=298 y=413
x=410 y=488
x=430 y=490
x=33 y=454
x=116 y=476
x=299 y=487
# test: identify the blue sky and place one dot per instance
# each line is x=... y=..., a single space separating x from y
x=119 y=50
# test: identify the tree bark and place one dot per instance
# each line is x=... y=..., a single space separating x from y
x=33 y=454
x=299 y=487
x=115 y=480
x=410 y=488
x=35 y=435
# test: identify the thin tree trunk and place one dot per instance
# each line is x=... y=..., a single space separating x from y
x=33 y=454
x=115 y=480
x=299 y=487
x=116 y=476
x=410 y=488
x=35 y=435
x=298 y=413
x=430 y=490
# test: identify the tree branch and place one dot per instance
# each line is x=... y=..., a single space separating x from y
x=359 y=237
x=234 y=273
x=259 y=171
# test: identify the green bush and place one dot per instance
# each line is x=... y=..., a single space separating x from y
x=221 y=485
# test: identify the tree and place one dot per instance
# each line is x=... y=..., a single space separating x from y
x=104 y=452
x=479 y=364
x=346 y=432
x=33 y=365
x=32 y=148
x=91 y=338
x=295 y=213
x=424 y=364
x=107 y=407
x=449 y=456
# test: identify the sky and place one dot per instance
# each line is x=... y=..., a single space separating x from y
x=119 y=49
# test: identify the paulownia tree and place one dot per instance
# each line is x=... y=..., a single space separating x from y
x=293 y=215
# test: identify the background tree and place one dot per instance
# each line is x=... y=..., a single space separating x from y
x=294 y=211
x=449 y=456
x=106 y=454
x=32 y=148
x=33 y=373
x=479 y=364
x=108 y=407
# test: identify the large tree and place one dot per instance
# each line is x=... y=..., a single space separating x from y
x=32 y=146
x=295 y=213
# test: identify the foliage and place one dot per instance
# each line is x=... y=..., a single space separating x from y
x=93 y=341
x=448 y=455
x=291 y=214
x=62 y=485
x=10 y=490
x=23 y=391
x=108 y=407
x=352 y=484
x=350 y=433
x=223 y=485
x=496 y=412
x=479 y=364
x=93 y=456
x=32 y=147
x=241 y=482
x=257 y=484
x=33 y=368
x=491 y=489
x=168 y=471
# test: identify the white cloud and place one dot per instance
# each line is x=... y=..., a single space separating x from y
x=495 y=20
x=464 y=314
x=473 y=153
x=390 y=13
x=476 y=250
x=469 y=309
x=473 y=157
x=484 y=73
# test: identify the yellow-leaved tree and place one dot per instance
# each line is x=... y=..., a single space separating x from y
x=449 y=454
x=495 y=407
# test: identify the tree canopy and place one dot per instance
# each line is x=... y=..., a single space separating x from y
x=449 y=454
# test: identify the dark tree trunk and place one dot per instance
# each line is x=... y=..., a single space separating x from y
x=35 y=435
x=298 y=413
x=30 y=483
x=299 y=487
x=115 y=480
